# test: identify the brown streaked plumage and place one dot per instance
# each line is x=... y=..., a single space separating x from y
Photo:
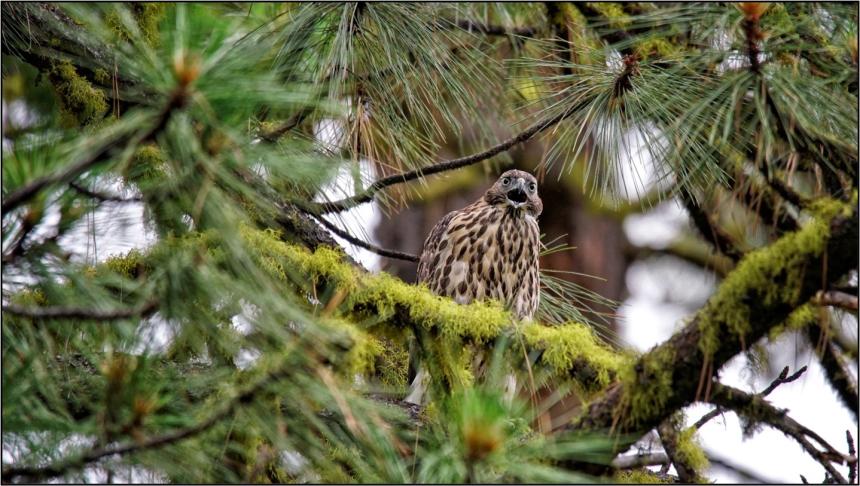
x=489 y=249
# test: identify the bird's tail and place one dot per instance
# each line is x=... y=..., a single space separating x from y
x=418 y=390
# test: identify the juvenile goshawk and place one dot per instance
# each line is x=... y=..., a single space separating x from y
x=487 y=250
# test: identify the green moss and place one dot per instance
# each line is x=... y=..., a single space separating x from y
x=102 y=76
x=689 y=451
x=365 y=349
x=639 y=476
x=147 y=166
x=613 y=13
x=392 y=364
x=768 y=276
x=799 y=318
x=80 y=103
x=647 y=385
x=129 y=265
x=148 y=15
x=656 y=47
x=565 y=347
x=383 y=294
x=29 y=297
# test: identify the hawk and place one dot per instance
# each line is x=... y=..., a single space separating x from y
x=487 y=250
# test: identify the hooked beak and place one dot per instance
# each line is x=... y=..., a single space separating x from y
x=517 y=195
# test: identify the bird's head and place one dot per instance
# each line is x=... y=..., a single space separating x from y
x=518 y=190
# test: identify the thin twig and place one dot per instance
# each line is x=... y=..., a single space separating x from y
x=708 y=229
x=368 y=194
x=745 y=473
x=34 y=473
x=835 y=370
x=756 y=408
x=102 y=196
x=292 y=122
x=781 y=379
x=79 y=312
x=363 y=244
x=852 y=454
x=16 y=249
x=837 y=299
x=707 y=417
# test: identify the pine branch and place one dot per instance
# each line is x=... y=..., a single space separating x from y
x=70 y=172
x=368 y=194
x=760 y=411
x=36 y=473
x=295 y=120
x=80 y=312
x=611 y=36
x=488 y=29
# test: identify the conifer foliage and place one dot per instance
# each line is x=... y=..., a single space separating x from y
x=242 y=344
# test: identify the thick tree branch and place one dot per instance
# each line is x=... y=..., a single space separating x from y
x=695 y=353
x=368 y=194
x=668 y=431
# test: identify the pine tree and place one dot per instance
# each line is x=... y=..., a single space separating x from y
x=231 y=124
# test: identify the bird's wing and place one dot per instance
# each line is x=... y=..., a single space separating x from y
x=431 y=246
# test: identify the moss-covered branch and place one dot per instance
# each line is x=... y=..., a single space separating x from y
x=760 y=294
x=571 y=350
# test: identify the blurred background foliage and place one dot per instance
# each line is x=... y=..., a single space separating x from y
x=211 y=354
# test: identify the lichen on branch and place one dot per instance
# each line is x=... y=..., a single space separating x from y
x=760 y=294
x=569 y=351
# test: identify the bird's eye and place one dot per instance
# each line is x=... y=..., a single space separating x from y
x=506 y=181
x=532 y=187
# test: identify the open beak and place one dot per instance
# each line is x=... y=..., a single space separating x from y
x=517 y=195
